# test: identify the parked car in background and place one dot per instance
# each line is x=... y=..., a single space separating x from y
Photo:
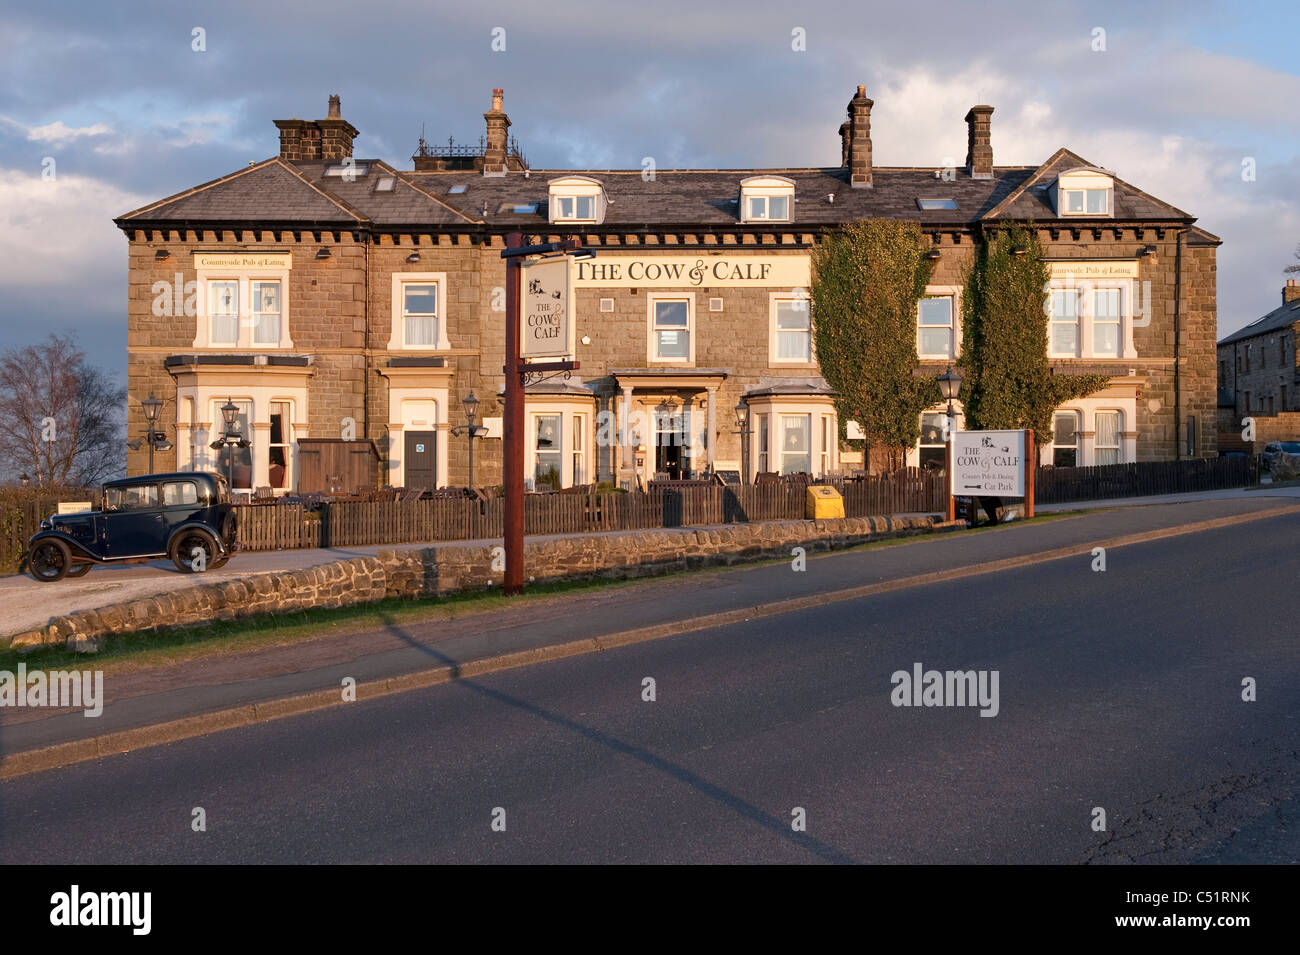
x=1274 y=449
x=186 y=516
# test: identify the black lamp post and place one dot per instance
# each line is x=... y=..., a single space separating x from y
x=470 y=404
x=153 y=437
x=231 y=438
x=742 y=428
x=950 y=387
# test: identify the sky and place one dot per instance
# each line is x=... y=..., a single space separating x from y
x=105 y=107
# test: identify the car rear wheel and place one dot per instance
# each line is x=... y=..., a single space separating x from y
x=193 y=552
x=79 y=570
x=49 y=561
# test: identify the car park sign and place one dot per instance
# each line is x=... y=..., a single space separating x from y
x=988 y=463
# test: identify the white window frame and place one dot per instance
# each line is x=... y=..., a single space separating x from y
x=766 y=188
x=397 y=335
x=809 y=452
x=1077 y=447
x=1091 y=307
x=578 y=450
x=286 y=442
x=652 y=339
x=1082 y=181
x=1118 y=447
x=952 y=292
x=570 y=189
x=1077 y=292
x=773 y=333
x=244 y=279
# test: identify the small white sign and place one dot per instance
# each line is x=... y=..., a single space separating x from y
x=988 y=463
x=544 y=316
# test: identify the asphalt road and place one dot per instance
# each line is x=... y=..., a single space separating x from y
x=1118 y=689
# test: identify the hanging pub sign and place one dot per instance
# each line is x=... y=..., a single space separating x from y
x=545 y=320
x=988 y=463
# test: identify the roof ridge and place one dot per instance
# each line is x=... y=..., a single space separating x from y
x=350 y=210
x=401 y=177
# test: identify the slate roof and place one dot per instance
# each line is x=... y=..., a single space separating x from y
x=283 y=192
x=1284 y=316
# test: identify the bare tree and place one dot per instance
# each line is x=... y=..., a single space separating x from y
x=61 y=419
x=1296 y=267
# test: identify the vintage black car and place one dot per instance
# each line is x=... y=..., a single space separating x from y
x=186 y=516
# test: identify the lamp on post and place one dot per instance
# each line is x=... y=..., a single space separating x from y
x=949 y=388
x=231 y=438
x=155 y=439
x=742 y=428
x=470 y=404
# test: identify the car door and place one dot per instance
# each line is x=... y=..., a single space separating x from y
x=180 y=504
x=132 y=522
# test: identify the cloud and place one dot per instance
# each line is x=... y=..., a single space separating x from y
x=58 y=236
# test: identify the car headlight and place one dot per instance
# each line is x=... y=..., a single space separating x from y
x=47 y=525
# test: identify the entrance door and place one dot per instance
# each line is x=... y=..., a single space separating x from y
x=421 y=462
x=668 y=449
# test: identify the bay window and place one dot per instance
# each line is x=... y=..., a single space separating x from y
x=1065 y=439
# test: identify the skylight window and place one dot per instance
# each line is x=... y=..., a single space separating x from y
x=456 y=190
x=385 y=184
x=936 y=205
x=519 y=208
x=345 y=169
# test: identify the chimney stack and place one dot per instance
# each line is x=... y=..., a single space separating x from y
x=845 y=129
x=1290 y=291
x=859 y=140
x=494 y=156
x=979 y=144
x=328 y=139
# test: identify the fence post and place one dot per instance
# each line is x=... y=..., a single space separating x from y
x=1031 y=472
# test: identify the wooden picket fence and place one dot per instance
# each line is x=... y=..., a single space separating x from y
x=1109 y=481
x=354 y=523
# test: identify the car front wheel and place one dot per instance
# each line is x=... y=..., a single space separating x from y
x=193 y=552
x=50 y=560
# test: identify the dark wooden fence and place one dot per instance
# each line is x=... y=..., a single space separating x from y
x=21 y=513
x=353 y=523
x=1109 y=481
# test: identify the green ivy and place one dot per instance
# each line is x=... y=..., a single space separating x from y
x=1007 y=380
x=867 y=280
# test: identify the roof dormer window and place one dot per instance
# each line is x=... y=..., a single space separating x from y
x=1084 y=192
x=577 y=199
x=766 y=199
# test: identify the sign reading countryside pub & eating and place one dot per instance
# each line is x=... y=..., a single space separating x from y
x=988 y=463
x=544 y=318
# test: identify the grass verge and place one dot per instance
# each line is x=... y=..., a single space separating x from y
x=177 y=645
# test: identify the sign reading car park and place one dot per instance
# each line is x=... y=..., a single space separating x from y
x=544 y=318
x=988 y=463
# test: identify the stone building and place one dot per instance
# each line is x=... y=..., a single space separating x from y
x=1259 y=373
x=330 y=297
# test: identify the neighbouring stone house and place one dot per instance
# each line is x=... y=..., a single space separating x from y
x=330 y=297
x=1259 y=374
